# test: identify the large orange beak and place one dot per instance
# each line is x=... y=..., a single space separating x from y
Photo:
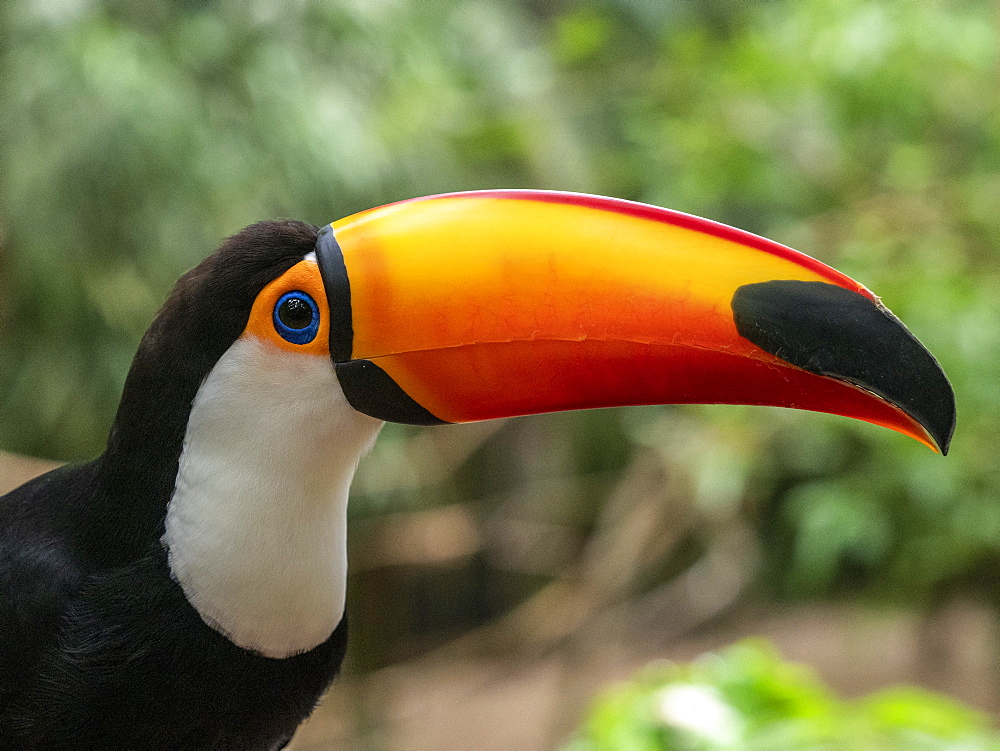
x=472 y=306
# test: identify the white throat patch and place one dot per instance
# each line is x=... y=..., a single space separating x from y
x=256 y=530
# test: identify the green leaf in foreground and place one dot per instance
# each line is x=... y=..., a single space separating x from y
x=747 y=698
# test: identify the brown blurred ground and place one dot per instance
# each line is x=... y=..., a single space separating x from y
x=529 y=702
x=15 y=470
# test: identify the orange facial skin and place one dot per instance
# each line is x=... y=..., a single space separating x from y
x=305 y=277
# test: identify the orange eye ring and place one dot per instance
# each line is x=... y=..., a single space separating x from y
x=302 y=284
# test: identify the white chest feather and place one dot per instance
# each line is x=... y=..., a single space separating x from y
x=256 y=528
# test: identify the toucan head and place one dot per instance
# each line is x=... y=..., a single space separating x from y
x=480 y=305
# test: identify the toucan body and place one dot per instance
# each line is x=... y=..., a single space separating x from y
x=185 y=590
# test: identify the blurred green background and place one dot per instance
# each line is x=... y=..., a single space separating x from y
x=135 y=135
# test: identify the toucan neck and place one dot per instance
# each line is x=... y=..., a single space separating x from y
x=256 y=527
x=137 y=472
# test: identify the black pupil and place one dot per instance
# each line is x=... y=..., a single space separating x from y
x=295 y=313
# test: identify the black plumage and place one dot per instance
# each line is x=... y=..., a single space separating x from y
x=99 y=648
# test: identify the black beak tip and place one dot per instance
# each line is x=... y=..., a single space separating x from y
x=834 y=332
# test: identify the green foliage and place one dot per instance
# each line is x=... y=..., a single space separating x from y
x=746 y=698
x=136 y=135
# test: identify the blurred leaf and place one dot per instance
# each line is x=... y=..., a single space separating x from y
x=746 y=697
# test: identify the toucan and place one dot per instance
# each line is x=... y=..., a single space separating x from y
x=185 y=590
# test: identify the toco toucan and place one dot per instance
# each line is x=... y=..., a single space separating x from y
x=185 y=590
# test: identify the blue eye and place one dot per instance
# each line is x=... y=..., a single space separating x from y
x=296 y=317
